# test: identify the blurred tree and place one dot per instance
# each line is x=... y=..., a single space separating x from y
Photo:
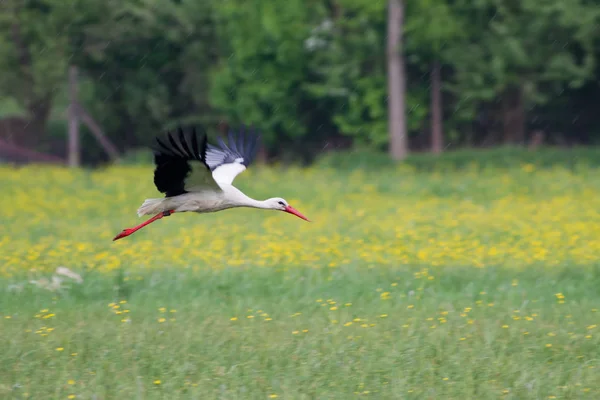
x=305 y=72
x=522 y=52
x=263 y=66
x=431 y=29
x=349 y=64
x=33 y=59
x=149 y=65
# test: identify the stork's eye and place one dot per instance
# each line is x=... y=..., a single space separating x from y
x=281 y=202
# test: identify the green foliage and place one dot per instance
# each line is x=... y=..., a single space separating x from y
x=431 y=27
x=264 y=64
x=9 y=107
x=302 y=72
x=151 y=72
x=33 y=49
x=540 y=46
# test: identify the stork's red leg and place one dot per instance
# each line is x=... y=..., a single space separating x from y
x=129 y=231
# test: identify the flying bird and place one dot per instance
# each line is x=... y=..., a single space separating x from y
x=197 y=177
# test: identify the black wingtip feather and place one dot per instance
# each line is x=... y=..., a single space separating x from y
x=175 y=146
x=194 y=149
x=162 y=148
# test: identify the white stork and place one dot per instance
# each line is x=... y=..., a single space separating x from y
x=197 y=177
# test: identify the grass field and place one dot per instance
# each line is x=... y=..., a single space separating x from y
x=471 y=283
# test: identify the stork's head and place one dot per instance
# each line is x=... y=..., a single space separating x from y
x=277 y=203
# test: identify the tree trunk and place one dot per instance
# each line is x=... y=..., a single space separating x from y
x=396 y=81
x=513 y=116
x=73 y=147
x=437 y=133
x=98 y=133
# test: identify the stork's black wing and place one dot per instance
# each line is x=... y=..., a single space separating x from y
x=180 y=163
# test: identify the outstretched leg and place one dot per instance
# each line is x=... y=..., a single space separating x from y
x=129 y=231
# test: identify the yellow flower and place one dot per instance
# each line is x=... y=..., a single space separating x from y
x=60 y=348
x=157 y=382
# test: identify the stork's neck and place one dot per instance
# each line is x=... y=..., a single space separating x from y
x=250 y=202
x=239 y=199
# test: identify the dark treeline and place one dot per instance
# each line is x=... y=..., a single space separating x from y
x=311 y=72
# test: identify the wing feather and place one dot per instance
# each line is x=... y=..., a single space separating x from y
x=231 y=139
x=227 y=160
x=181 y=166
x=175 y=146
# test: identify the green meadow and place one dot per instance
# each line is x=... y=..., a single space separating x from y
x=449 y=279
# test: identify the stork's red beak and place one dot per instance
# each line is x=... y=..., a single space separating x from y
x=292 y=210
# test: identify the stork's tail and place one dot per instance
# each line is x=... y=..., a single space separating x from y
x=150 y=206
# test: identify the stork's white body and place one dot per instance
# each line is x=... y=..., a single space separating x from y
x=204 y=201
